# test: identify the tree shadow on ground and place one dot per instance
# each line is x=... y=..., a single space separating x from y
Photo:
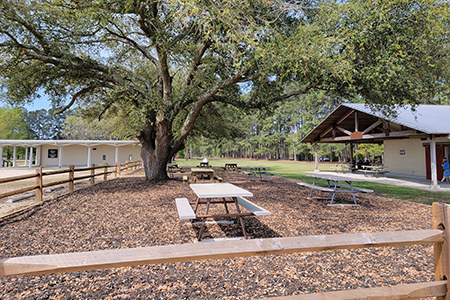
x=254 y=228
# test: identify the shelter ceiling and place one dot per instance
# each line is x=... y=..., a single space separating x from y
x=347 y=125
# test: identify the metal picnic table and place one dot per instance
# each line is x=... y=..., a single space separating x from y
x=333 y=185
x=374 y=170
x=258 y=170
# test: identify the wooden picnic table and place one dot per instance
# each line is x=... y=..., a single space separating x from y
x=334 y=186
x=223 y=194
x=230 y=166
x=172 y=168
x=204 y=165
x=199 y=173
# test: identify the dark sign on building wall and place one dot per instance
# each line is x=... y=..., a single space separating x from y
x=52 y=153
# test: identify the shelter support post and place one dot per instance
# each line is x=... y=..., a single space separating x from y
x=316 y=158
x=60 y=157
x=30 y=162
x=352 y=161
x=38 y=155
x=89 y=157
x=117 y=155
x=14 y=156
x=26 y=156
x=434 y=178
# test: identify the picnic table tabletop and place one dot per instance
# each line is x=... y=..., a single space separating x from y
x=218 y=190
x=199 y=170
x=334 y=185
x=333 y=177
x=258 y=167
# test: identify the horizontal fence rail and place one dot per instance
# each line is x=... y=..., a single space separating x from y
x=71 y=171
x=81 y=261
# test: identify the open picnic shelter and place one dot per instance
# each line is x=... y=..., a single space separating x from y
x=415 y=139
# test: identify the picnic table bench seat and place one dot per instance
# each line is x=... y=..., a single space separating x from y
x=356 y=189
x=252 y=207
x=185 y=211
x=316 y=187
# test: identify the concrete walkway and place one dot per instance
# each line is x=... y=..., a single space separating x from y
x=398 y=180
x=12 y=172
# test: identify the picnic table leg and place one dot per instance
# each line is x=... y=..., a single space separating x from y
x=225 y=203
x=312 y=189
x=265 y=173
x=240 y=218
x=353 y=192
x=196 y=205
x=200 y=233
x=334 y=190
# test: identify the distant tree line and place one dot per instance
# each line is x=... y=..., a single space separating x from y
x=277 y=134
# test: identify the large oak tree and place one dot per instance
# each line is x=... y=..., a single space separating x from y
x=159 y=63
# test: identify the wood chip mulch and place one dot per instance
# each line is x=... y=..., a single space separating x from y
x=131 y=212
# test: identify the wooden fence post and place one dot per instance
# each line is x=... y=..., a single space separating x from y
x=92 y=174
x=120 y=167
x=71 y=177
x=115 y=170
x=441 y=220
x=105 y=174
x=39 y=185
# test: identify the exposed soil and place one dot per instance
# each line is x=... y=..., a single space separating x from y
x=131 y=212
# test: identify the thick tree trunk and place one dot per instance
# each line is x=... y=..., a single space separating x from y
x=156 y=151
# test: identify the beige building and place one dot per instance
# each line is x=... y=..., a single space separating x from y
x=415 y=139
x=62 y=153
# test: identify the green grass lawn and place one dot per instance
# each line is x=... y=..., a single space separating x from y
x=297 y=171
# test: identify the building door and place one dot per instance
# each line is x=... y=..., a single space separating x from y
x=439 y=155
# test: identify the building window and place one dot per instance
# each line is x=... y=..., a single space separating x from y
x=104 y=157
x=52 y=153
x=130 y=157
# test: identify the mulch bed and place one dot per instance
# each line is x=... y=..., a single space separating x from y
x=131 y=212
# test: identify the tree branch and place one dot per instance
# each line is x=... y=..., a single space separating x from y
x=143 y=50
x=203 y=100
x=74 y=97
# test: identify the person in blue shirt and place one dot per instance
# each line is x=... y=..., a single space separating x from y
x=446 y=168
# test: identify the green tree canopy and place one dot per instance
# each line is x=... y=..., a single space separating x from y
x=13 y=125
x=159 y=63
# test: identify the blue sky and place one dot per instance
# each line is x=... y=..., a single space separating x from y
x=40 y=103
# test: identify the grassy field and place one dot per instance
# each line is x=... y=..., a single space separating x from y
x=297 y=171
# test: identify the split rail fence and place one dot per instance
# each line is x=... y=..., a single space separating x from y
x=438 y=236
x=71 y=171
